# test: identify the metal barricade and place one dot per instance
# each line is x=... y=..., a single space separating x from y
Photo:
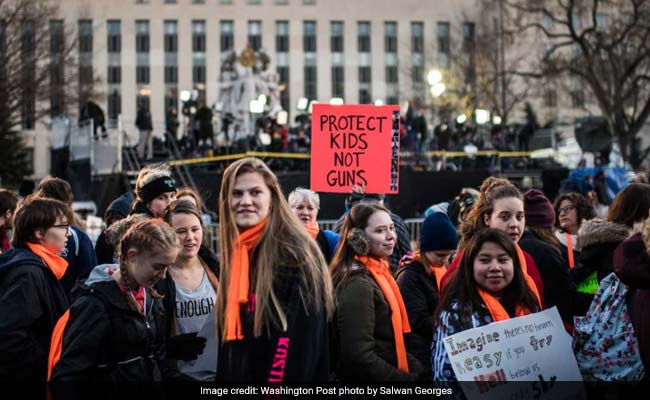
x=81 y=141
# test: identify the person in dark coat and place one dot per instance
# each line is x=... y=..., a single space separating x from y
x=79 y=251
x=632 y=265
x=403 y=245
x=31 y=298
x=560 y=290
x=145 y=126
x=117 y=210
x=116 y=299
x=8 y=204
x=597 y=240
x=371 y=324
x=275 y=297
x=418 y=280
x=155 y=189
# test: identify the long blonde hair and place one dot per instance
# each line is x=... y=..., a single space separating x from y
x=284 y=242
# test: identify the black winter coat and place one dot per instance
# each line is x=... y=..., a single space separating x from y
x=107 y=341
x=364 y=342
x=597 y=240
x=301 y=354
x=420 y=293
x=31 y=302
x=559 y=289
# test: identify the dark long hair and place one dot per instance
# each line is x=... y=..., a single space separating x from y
x=357 y=217
x=462 y=287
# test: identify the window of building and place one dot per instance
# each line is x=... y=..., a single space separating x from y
x=468 y=37
x=336 y=38
x=57 y=105
x=142 y=36
x=338 y=81
x=254 y=2
x=417 y=37
x=309 y=2
x=390 y=37
x=114 y=75
x=171 y=74
x=114 y=36
x=198 y=1
x=391 y=74
x=85 y=36
x=227 y=40
x=171 y=36
x=255 y=34
x=225 y=2
x=364 y=96
x=198 y=36
x=363 y=36
x=418 y=74
x=365 y=74
x=281 y=36
x=311 y=90
x=550 y=98
x=444 y=40
x=309 y=36
x=170 y=1
x=281 y=2
x=114 y=104
x=142 y=74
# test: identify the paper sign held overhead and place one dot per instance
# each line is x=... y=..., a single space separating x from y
x=355 y=145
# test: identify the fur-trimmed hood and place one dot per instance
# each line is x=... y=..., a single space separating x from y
x=598 y=231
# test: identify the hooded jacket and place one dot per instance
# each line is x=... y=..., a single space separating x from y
x=105 y=340
x=364 y=342
x=597 y=240
x=420 y=293
x=31 y=302
x=632 y=265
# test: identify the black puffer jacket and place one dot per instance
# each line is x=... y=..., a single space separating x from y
x=301 y=354
x=364 y=342
x=597 y=240
x=31 y=301
x=106 y=341
x=420 y=293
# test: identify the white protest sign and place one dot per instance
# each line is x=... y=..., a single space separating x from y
x=534 y=349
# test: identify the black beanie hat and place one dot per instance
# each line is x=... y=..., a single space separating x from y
x=438 y=233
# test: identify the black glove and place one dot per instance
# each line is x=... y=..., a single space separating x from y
x=185 y=347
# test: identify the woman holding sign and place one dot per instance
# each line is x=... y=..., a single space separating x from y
x=490 y=286
x=275 y=293
x=370 y=321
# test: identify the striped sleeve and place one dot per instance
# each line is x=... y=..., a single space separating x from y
x=440 y=363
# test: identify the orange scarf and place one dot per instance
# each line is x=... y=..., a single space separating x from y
x=437 y=270
x=313 y=229
x=529 y=281
x=239 y=283
x=381 y=273
x=497 y=312
x=569 y=249
x=495 y=308
x=47 y=253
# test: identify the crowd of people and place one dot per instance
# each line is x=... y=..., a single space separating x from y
x=282 y=300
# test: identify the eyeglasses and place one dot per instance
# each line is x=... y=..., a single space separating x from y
x=64 y=226
x=565 y=209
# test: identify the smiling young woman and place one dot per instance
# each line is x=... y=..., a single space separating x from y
x=275 y=295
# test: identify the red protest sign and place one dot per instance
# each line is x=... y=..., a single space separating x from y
x=354 y=145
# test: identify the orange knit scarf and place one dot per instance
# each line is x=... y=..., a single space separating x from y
x=437 y=270
x=569 y=249
x=47 y=253
x=496 y=310
x=381 y=273
x=239 y=280
x=313 y=229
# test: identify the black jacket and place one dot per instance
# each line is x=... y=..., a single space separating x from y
x=559 y=289
x=301 y=354
x=364 y=343
x=106 y=341
x=420 y=293
x=597 y=240
x=31 y=302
